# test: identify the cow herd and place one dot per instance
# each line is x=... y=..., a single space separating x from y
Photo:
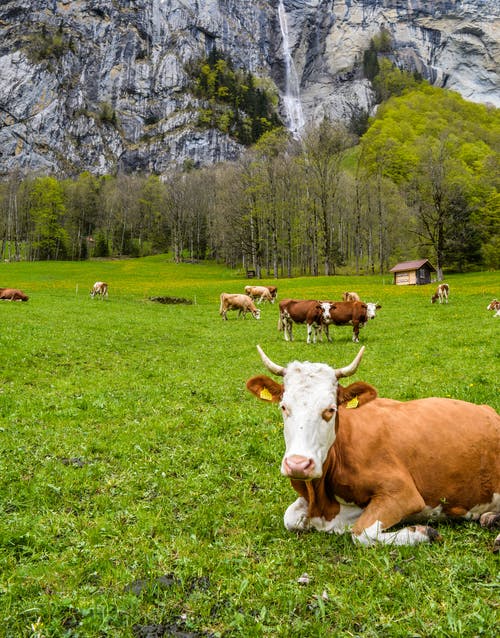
x=317 y=315
x=363 y=464
x=360 y=463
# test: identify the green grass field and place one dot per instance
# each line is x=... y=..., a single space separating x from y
x=140 y=486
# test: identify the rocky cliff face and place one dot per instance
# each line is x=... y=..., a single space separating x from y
x=101 y=85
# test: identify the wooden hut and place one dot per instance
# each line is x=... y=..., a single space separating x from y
x=411 y=273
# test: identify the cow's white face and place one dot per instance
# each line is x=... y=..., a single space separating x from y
x=309 y=407
x=325 y=311
x=256 y=313
x=371 y=310
x=308 y=400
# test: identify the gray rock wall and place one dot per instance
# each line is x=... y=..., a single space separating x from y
x=112 y=92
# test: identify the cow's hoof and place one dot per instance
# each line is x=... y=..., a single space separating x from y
x=432 y=534
x=490 y=519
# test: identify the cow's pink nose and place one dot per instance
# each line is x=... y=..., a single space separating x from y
x=298 y=466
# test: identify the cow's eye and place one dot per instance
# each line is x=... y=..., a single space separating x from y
x=329 y=413
x=284 y=409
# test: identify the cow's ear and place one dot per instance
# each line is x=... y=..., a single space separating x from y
x=378 y=306
x=356 y=394
x=265 y=388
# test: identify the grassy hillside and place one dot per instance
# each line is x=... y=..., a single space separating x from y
x=140 y=487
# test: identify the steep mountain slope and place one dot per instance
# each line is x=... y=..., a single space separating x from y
x=102 y=84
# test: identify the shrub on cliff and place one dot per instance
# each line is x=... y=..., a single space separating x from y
x=235 y=104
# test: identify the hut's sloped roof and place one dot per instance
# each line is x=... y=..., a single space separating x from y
x=411 y=265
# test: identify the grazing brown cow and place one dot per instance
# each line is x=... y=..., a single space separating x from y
x=350 y=313
x=308 y=311
x=12 y=294
x=100 y=288
x=350 y=296
x=260 y=293
x=363 y=464
x=241 y=303
x=442 y=292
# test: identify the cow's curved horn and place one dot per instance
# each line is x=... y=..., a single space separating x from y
x=272 y=367
x=349 y=370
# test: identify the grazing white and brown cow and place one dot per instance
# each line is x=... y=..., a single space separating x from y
x=494 y=305
x=241 y=303
x=364 y=464
x=12 y=294
x=350 y=296
x=260 y=293
x=350 y=313
x=308 y=311
x=441 y=294
x=99 y=289
x=273 y=290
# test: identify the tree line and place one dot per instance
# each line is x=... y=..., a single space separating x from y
x=422 y=181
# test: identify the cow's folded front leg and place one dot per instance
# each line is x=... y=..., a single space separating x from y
x=296 y=516
x=385 y=511
x=336 y=519
x=411 y=535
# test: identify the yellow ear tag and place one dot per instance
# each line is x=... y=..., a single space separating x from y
x=266 y=395
x=353 y=403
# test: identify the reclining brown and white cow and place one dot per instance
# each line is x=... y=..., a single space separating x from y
x=236 y=301
x=364 y=464
x=12 y=294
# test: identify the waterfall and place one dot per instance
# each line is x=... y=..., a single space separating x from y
x=291 y=99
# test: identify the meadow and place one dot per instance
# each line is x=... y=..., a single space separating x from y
x=140 y=490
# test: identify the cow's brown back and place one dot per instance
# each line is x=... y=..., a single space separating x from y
x=13 y=294
x=300 y=310
x=452 y=464
x=344 y=312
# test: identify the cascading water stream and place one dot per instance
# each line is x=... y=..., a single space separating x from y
x=291 y=99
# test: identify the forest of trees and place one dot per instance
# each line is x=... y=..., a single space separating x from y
x=422 y=181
